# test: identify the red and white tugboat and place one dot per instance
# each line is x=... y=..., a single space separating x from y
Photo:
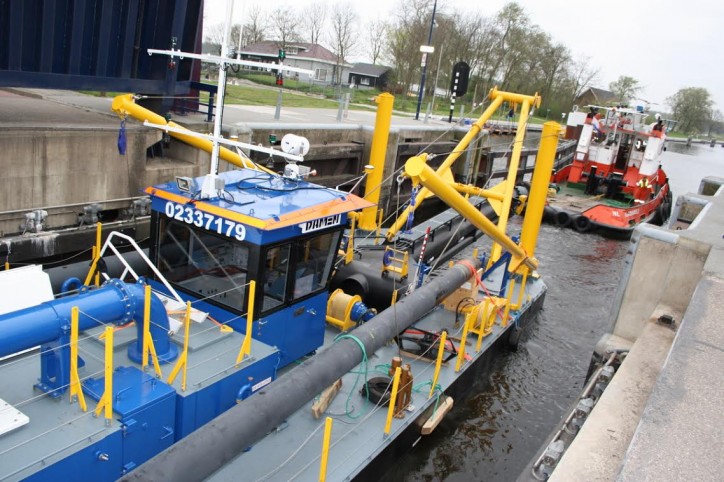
x=615 y=180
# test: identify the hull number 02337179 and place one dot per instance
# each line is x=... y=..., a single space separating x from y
x=189 y=215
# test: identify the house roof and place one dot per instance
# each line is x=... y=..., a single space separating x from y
x=602 y=95
x=369 y=70
x=305 y=50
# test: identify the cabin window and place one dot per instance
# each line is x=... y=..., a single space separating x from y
x=313 y=265
x=276 y=268
x=294 y=270
x=205 y=264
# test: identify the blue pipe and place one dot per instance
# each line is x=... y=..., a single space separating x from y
x=115 y=302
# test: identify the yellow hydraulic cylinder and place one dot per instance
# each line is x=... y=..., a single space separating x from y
x=539 y=186
x=495 y=252
x=124 y=105
x=475 y=129
x=378 y=152
x=417 y=169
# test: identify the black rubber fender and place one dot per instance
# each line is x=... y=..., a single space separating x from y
x=376 y=389
x=563 y=219
x=582 y=224
x=514 y=337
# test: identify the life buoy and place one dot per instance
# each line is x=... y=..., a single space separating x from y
x=582 y=224
x=563 y=219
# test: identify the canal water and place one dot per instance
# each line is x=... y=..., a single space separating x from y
x=496 y=431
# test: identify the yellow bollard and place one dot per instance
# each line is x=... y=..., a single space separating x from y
x=393 y=400
x=76 y=391
x=378 y=153
x=325 y=449
x=246 y=344
x=438 y=362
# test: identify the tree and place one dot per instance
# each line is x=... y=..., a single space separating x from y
x=625 y=88
x=692 y=107
x=285 y=23
x=343 y=38
x=254 y=28
x=315 y=17
x=376 y=31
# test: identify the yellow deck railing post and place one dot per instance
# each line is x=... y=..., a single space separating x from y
x=99 y=230
x=349 y=253
x=463 y=339
x=76 y=391
x=393 y=400
x=487 y=308
x=147 y=342
x=438 y=362
x=325 y=449
x=183 y=359
x=246 y=344
x=521 y=290
x=106 y=401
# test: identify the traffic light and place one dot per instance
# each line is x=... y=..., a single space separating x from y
x=282 y=54
x=280 y=79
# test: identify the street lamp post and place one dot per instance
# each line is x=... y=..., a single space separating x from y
x=424 y=62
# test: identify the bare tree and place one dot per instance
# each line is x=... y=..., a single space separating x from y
x=255 y=26
x=314 y=20
x=343 y=36
x=376 y=31
x=285 y=25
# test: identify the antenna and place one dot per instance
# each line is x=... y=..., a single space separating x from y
x=212 y=185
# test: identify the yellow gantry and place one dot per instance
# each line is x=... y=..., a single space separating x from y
x=497 y=98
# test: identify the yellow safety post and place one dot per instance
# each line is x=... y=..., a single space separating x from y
x=124 y=105
x=325 y=449
x=349 y=253
x=379 y=226
x=76 y=391
x=506 y=312
x=99 y=228
x=378 y=152
x=539 y=186
x=417 y=169
x=463 y=340
x=183 y=359
x=246 y=344
x=393 y=400
x=483 y=323
x=95 y=254
x=106 y=401
x=497 y=99
x=521 y=291
x=7 y=266
x=438 y=362
x=509 y=182
x=147 y=342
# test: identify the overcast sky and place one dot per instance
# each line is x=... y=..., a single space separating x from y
x=665 y=44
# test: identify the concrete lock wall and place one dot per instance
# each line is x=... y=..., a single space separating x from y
x=663 y=275
x=55 y=168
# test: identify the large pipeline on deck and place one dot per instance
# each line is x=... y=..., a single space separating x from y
x=115 y=302
x=215 y=444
